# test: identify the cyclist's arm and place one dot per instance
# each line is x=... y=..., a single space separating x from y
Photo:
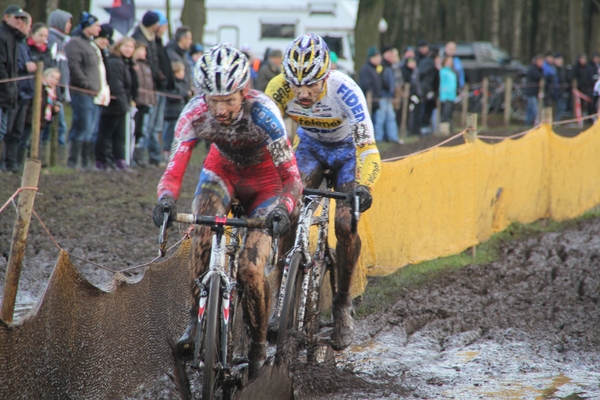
x=264 y=114
x=183 y=145
x=368 y=160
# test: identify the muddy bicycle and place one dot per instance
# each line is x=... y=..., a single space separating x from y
x=221 y=344
x=298 y=303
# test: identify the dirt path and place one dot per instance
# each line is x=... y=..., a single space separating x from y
x=521 y=327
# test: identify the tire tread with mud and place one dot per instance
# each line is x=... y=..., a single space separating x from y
x=289 y=310
x=211 y=343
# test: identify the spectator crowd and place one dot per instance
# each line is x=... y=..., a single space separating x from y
x=108 y=83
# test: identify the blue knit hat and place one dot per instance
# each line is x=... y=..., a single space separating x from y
x=162 y=20
x=372 y=52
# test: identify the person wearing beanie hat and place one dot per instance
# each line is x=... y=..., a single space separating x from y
x=85 y=64
x=386 y=127
x=60 y=24
x=162 y=74
x=162 y=20
x=149 y=19
x=372 y=52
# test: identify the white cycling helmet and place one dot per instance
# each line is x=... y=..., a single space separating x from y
x=222 y=70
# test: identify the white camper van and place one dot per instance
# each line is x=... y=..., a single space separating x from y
x=262 y=24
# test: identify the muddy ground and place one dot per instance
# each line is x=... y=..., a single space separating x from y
x=524 y=326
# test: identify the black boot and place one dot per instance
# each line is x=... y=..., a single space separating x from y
x=74 y=154
x=87 y=156
x=187 y=341
x=12 y=156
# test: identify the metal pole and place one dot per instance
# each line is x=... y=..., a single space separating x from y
x=31 y=174
x=507 y=100
x=484 y=103
x=36 y=113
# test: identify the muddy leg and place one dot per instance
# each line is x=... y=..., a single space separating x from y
x=206 y=203
x=347 y=252
x=256 y=295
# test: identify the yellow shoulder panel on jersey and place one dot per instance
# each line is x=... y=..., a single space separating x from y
x=279 y=90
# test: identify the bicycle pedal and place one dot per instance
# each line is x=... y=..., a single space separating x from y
x=198 y=366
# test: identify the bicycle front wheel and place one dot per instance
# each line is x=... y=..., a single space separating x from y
x=288 y=321
x=211 y=339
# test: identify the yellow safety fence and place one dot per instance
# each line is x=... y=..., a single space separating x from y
x=448 y=199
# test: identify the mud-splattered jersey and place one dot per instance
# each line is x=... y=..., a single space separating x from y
x=340 y=112
x=258 y=134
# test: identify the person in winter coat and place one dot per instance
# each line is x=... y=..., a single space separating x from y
x=177 y=50
x=84 y=69
x=123 y=86
x=410 y=73
x=15 y=121
x=60 y=24
x=10 y=36
x=175 y=105
x=429 y=81
x=531 y=88
x=369 y=79
x=563 y=90
x=385 y=117
x=448 y=88
x=144 y=101
x=153 y=27
x=269 y=69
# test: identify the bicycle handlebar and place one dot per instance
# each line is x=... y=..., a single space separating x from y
x=326 y=193
x=252 y=223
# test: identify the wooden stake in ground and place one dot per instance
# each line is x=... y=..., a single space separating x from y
x=507 y=100
x=484 y=101
x=31 y=175
x=471 y=128
x=405 y=100
x=36 y=114
x=465 y=105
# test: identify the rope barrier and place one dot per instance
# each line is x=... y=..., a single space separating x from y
x=186 y=234
x=427 y=149
x=15 y=195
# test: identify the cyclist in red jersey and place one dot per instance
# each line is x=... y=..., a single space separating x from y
x=250 y=159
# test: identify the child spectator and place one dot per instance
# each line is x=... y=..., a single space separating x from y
x=123 y=86
x=448 y=89
x=50 y=107
x=175 y=105
x=144 y=101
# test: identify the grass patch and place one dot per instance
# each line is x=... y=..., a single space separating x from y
x=383 y=291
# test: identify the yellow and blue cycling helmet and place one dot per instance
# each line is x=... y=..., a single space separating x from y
x=306 y=60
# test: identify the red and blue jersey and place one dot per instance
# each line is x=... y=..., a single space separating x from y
x=255 y=141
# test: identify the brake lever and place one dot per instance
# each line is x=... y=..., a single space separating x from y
x=356 y=208
x=162 y=237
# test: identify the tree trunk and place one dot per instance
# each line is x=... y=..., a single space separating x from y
x=575 y=28
x=193 y=15
x=37 y=10
x=75 y=7
x=518 y=29
x=495 y=34
x=366 y=33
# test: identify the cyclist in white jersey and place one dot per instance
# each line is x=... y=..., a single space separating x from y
x=336 y=133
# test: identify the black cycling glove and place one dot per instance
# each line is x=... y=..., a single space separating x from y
x=279 y=214
x=364 y=198
x=166 y=204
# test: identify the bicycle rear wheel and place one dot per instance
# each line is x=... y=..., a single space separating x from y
x=211 y=339
x=288 y=321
